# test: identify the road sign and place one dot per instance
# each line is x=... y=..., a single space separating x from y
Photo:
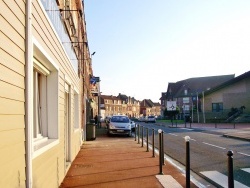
x=171 y=105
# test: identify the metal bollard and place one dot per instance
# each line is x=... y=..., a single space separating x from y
x=230 y=169
x=160 y=151
x=187 y=138
x=190 y=122
x=162 y=141
x=135 y=131
x=147 y=139
x=142 y=141
x=153 y=142
x=215 y=122
x=138 y=134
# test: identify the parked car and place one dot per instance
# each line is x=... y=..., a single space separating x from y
x=151 y=119
x=119 y=125
x=142 y=119
x=132 y=125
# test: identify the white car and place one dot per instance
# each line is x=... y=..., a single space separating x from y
x=151 y=119
x=119 y=125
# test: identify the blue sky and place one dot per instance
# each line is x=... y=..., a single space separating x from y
x=143 y=45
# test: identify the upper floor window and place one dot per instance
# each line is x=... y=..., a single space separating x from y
x=185 y=92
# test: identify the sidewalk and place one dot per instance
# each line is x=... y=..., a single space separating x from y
x=109 y=162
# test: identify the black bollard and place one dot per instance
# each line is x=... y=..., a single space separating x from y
x=147 y=139
x=138 y=134
x=135 y=132
x=142 y=141
x=190 y=121
x=153 y=142
x=215 y=122
x=160 y=151
x=162 y=141
x=230 y=169
x=187 y=138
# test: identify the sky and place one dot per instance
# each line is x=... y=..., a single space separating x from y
x=143 y=45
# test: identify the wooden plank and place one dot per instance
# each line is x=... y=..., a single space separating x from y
x=11 y=137
x=9 y=15
x=9 y=61
x=13 y=167
x=11 y=77
x=9 y=122
x=17 y=37
x=11 y=92
x=11 y=107
x=12 y=49
x=11 y=152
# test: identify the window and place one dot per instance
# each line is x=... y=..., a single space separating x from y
x=217 y=107
x=76 y=110
x=45 y=106
x=40 y=123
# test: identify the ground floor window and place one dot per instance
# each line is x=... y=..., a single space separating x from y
x=217 y=107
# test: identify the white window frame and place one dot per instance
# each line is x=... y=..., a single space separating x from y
x=48 y=70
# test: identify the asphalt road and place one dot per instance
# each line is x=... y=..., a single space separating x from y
x=208 y=152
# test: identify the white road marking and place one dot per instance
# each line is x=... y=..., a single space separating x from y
x=244 y=154
x=168 y=181
x=188 y=129
x=173 y=134
x=221 y=179
x=246 y=169
x=213 y=145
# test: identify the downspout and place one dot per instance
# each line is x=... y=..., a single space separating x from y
x=28 y=95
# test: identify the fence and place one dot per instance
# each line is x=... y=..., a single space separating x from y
x=156 y=140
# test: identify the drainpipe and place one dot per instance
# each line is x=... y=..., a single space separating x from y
x=28 y=95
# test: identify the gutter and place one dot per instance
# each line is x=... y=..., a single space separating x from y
x=28 y=95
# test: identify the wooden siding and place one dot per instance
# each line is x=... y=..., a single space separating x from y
x=12 y=65
x=49 y=168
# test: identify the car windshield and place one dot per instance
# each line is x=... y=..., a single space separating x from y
x=151 y=117
x=121 y=119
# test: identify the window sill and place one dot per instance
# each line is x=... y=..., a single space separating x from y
x=42 y=145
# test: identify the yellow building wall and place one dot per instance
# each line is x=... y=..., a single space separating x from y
x=236 y=95
x=49 y=168
x=12 y=100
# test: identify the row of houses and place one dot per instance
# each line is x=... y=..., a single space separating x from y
x=126 y=105
x=45 y=90
x=214 y=98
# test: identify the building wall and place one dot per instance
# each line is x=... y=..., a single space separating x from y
x=12 y=98
x=235 y=95
x=50 y=166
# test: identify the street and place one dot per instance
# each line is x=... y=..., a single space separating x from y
x=208 y=152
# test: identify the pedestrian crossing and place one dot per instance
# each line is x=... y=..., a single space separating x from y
x=168 y=181
x=222 y=179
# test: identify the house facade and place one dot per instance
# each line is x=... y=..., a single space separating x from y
x=119 y=105
x=233 y=94
x=45 y=67
x=148 y=108
x=187 y=94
